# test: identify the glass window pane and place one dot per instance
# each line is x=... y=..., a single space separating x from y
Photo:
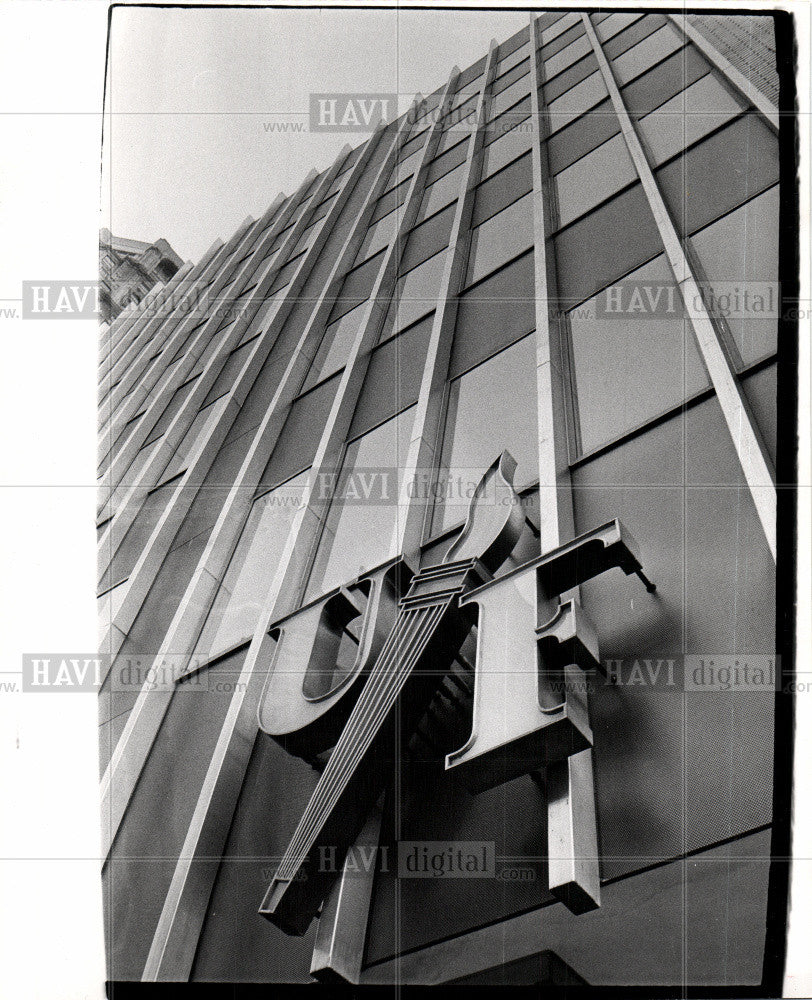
x=335 y=346
x=634 y=354
x=507 y=121
x=129 y=548
x=493 y=314
x=448 y=161
x=513 y=44
x=470 y=75
x=593 y=179
x=468 y=94
x=393 y=378
x=450 y=137
x=515 y=57
x=575 y=102
x=501 y=238
x=566 y=57
x=463 y=118
x=686 y=118
x=505 y=149
x=412 y=145
x=296 y=446
x=739 y=253
x=491 y=408
x=139 y=463
x=581 y=137
x=199 y=428
x=510 y=76
x=359 y=529
x=559 y=27
x=565 y=81
x=645 y=54
x=171 y=411
x=235 y=612
x=109 y=604
x=611 y=241
x=416 y=293
x=405 y=168
x=428 y=238
x=424 y=111
x=440 y=193
x=562 y=40
x=631 y=35
x=357 y=286
x=508 y=97
x=720 y=173
x=665 y=81
x=257 y=324
x=389 y=201
x=500 y=190
x=283 y=278
x=379 y=235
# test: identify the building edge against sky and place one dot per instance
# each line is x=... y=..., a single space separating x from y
x=435 y=297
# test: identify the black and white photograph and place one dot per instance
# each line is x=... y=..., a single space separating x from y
x=442 y=401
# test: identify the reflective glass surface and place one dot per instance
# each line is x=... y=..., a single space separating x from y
x=592 y=179
x=739 y=255
x=235 y=612
x=491 y=408
x=686 y=118
x=503 y=237
x=359 y=531
x=634 y=354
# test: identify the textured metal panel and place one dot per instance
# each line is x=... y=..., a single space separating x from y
x=748 y=41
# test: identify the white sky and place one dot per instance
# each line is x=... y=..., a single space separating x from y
x=191 y=92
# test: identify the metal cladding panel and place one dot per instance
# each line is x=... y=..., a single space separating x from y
x=147 y=849
x=434 y=806
x=237 y=944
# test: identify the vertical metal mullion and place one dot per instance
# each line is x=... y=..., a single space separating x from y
x=752 y=455
x=173 y=945
x=572 y=833
x=421 y=455
x=341 y=936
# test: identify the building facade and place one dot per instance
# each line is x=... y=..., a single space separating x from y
x=559 y=272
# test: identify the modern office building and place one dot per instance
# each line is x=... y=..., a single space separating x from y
x=129 y=269
x=344 y=736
